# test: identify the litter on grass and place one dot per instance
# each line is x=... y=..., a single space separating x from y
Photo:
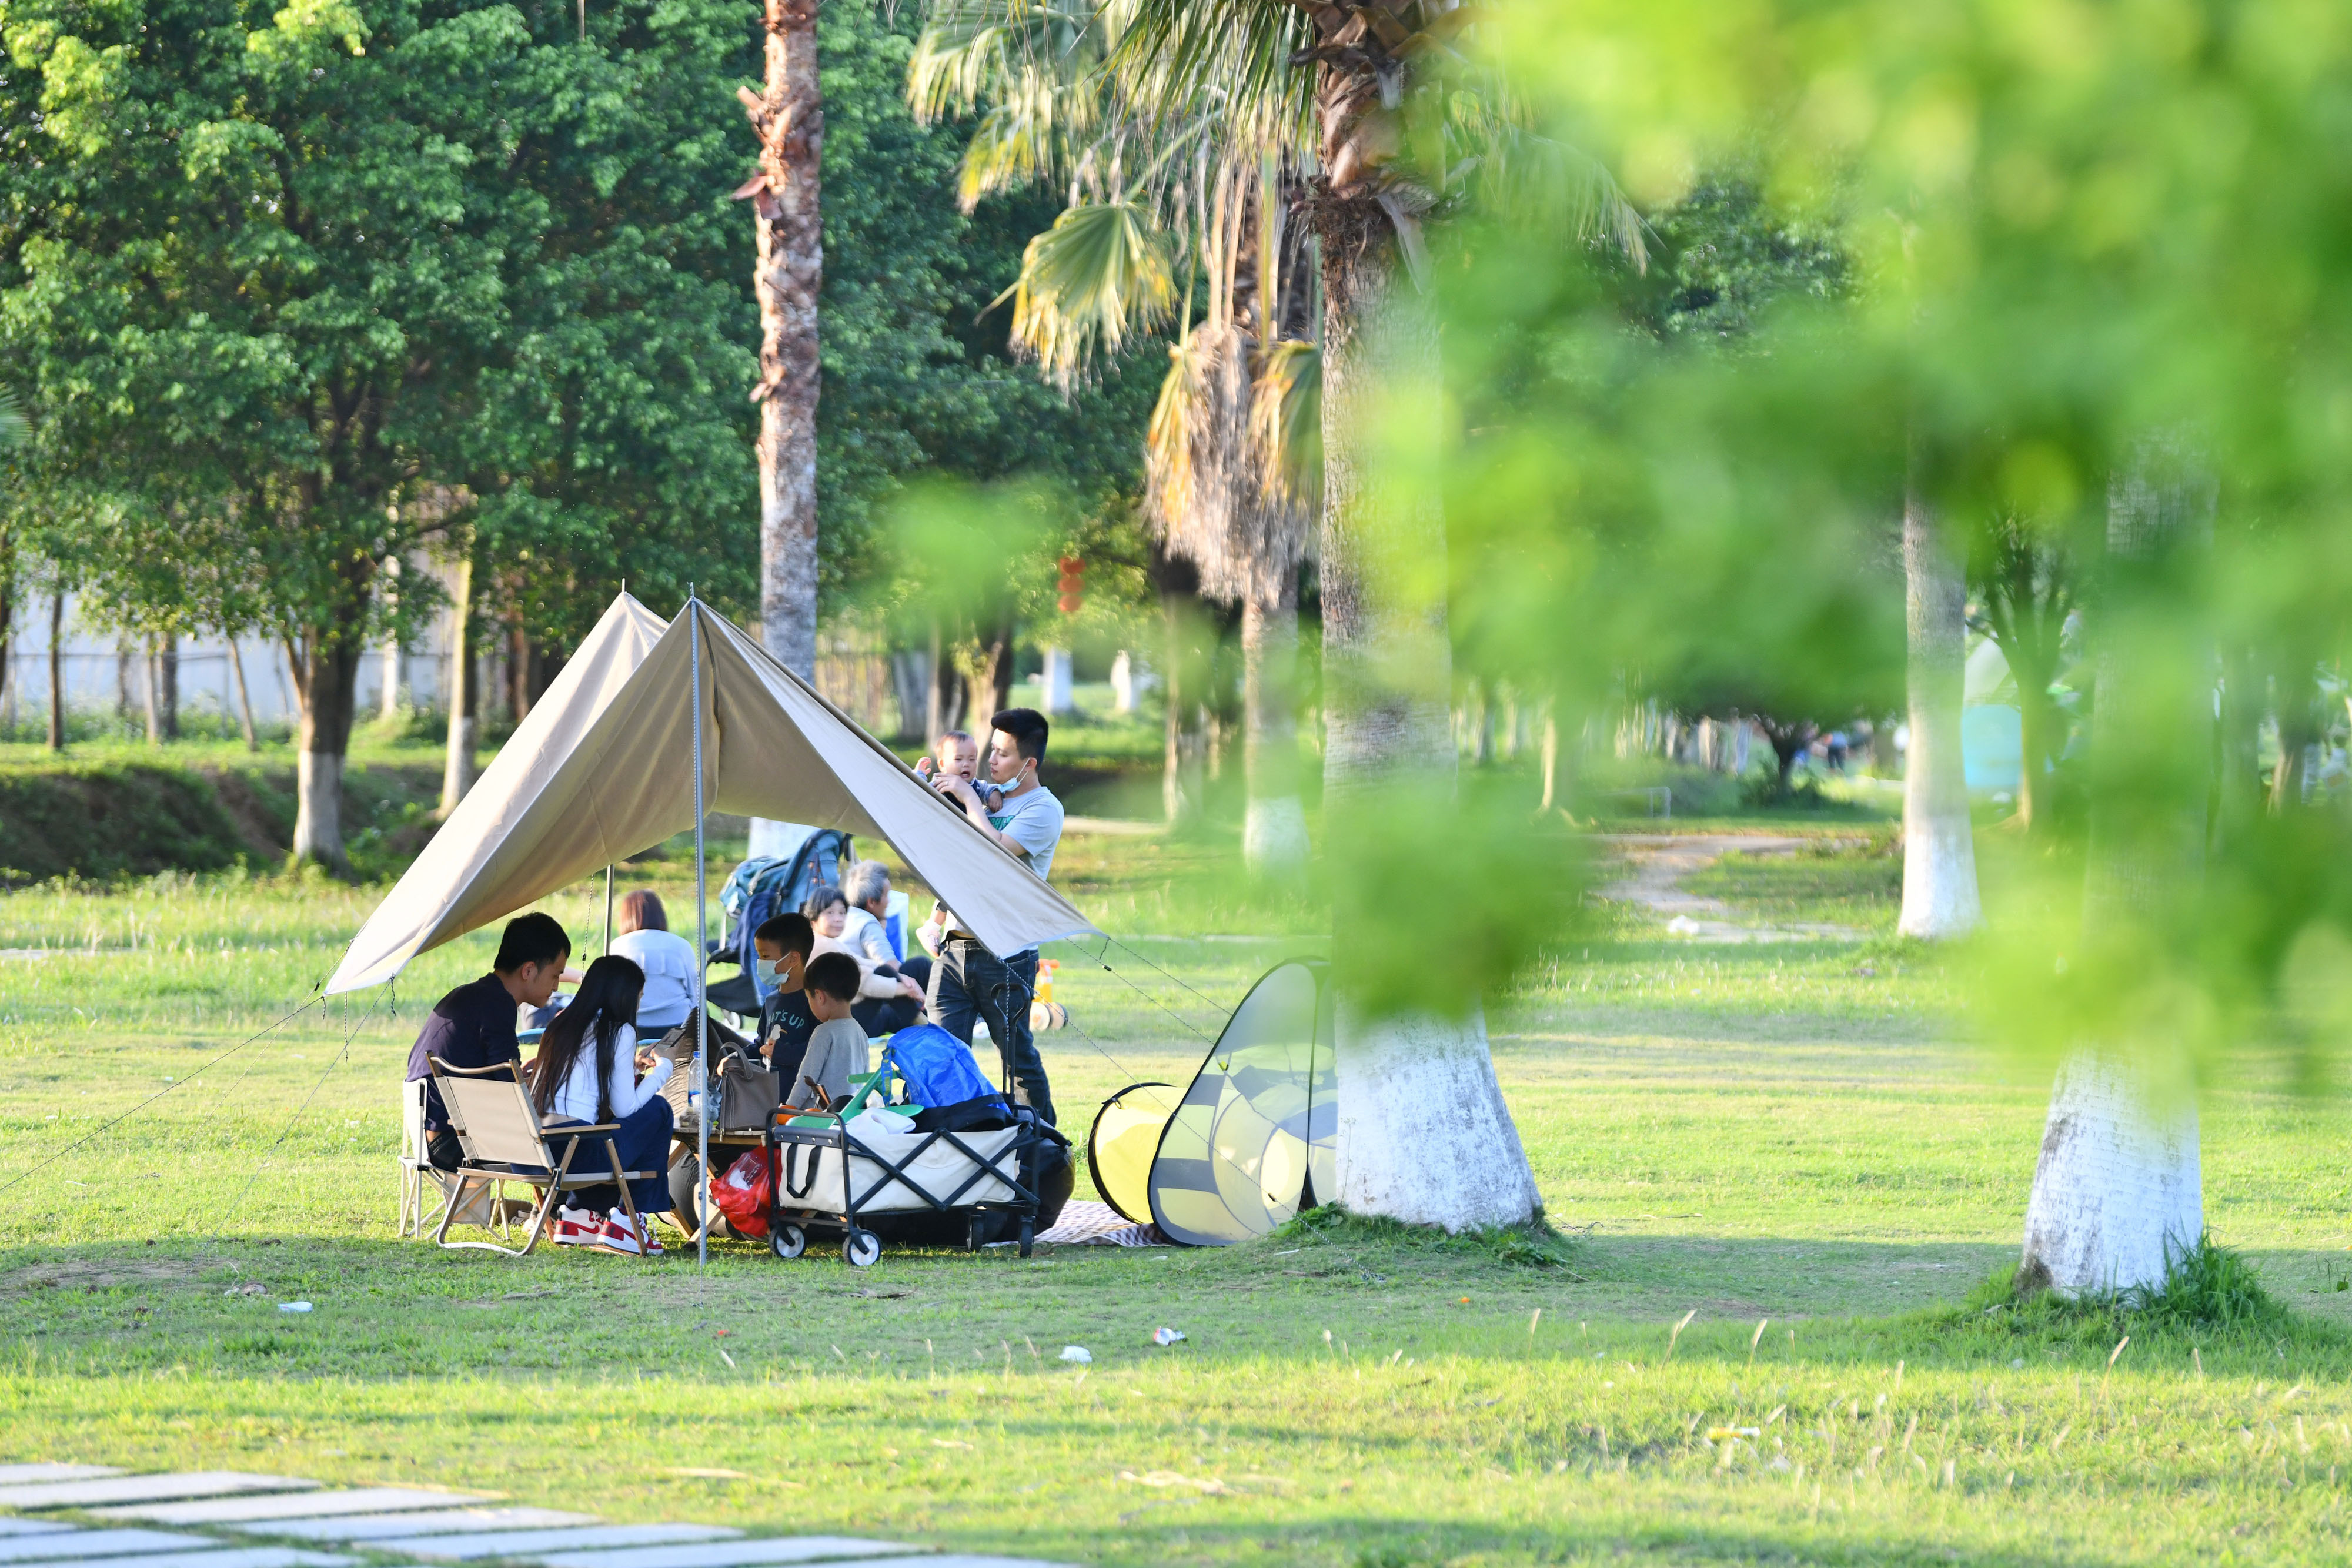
x=1167 y=1336
x=1076 y=1352
x=293 y=1306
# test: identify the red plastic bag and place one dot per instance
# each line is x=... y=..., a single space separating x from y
x=745 y=1192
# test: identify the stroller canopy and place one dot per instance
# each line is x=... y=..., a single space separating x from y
x=598 y=772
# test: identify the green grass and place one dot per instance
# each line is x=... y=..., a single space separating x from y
x=1795 y=1146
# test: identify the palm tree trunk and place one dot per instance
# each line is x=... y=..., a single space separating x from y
x=151 y=693
x=1425 y=1136
x=1939 y=867
x=1274 y=829
x=788 y=276
x=2118 y=1189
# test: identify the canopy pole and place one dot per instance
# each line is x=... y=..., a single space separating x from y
x=608 y=908
x=702 y=949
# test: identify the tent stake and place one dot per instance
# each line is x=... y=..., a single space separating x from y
x=702 y=949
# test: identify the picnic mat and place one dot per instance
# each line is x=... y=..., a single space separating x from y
x=1085 y=1224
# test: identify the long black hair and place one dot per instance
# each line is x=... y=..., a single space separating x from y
x=606 y=999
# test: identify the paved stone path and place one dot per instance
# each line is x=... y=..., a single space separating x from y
x=226 y=1519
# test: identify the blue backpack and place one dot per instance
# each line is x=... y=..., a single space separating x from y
x=937 y=1066
x=764 y=887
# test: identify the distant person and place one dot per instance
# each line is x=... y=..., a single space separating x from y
x=474 y=1026
x=969 y=981
x=837 y=1048
x=887 y=1001
x=667 y=960
x=782 y=944
x=590 y=1070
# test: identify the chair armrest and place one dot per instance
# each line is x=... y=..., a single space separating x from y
x=570 y=1132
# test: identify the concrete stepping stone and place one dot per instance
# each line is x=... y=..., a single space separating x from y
x=534 y=1544
x=300 y=1505
x=394 y=1528
x=738 y=1553
x=223 y=1557
x=145 y=1489
x=17 y=1475
x=58 y=1545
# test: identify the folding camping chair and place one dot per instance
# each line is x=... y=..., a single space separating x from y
x=499 y=1128
x=414 y=1161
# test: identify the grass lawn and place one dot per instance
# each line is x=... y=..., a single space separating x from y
x=1793 y=1145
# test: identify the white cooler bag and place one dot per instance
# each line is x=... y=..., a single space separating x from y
x=809 y=1176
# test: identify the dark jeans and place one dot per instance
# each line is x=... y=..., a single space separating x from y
x=642 y=1143
x=967 y=982
x=881 y=1015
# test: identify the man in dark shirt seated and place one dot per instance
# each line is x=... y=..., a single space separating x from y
x=474 y=1026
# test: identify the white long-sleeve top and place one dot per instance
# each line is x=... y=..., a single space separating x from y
x=575 y=1097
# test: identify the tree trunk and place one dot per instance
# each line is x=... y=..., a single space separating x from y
x=1424 y=1134
x=1940 y=865
x=244 y=698
x=168 y=667
x=2118 y=1189
x=1274 y=827
x=8 y=682
x=326 y=683
x=151 y=690
x=458 y=762
x=788 y=276
x=58 y=670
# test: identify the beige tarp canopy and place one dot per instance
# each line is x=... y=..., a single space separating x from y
x=602 y=770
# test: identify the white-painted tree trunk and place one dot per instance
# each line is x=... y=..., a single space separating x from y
x=1940 y=860
x=319 y=807
x=457 y=755
x=1423 y=1133
x=2119 y=1184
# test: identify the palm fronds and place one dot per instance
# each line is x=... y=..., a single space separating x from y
x=1286 y=419
x=15 y=428
x=1099 y=277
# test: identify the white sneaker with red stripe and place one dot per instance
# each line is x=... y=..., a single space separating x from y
x=648 y=1234
x=618 y=1235
x=576 y=1228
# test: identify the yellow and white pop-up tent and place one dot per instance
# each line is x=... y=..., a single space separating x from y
x=1252 y=1139
x=604 y=768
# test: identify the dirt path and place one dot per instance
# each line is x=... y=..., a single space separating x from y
x=1659 y=861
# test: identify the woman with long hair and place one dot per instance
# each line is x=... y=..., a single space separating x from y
x=588 y=1072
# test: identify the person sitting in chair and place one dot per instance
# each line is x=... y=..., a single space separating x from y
x=887 y=1001
x=474 y=1026
x=588 y=1072
x=645 y=940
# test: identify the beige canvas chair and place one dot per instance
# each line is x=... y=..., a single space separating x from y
x=499 y=1128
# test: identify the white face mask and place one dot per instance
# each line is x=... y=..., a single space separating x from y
x=768 y=974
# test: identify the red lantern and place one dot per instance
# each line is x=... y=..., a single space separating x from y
x=1073 y=584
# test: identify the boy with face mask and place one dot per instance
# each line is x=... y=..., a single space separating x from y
x=783 y=944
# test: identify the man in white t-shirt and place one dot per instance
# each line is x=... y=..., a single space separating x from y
x=969 y=981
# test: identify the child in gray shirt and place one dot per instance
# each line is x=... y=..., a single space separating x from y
x=837 y=1048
